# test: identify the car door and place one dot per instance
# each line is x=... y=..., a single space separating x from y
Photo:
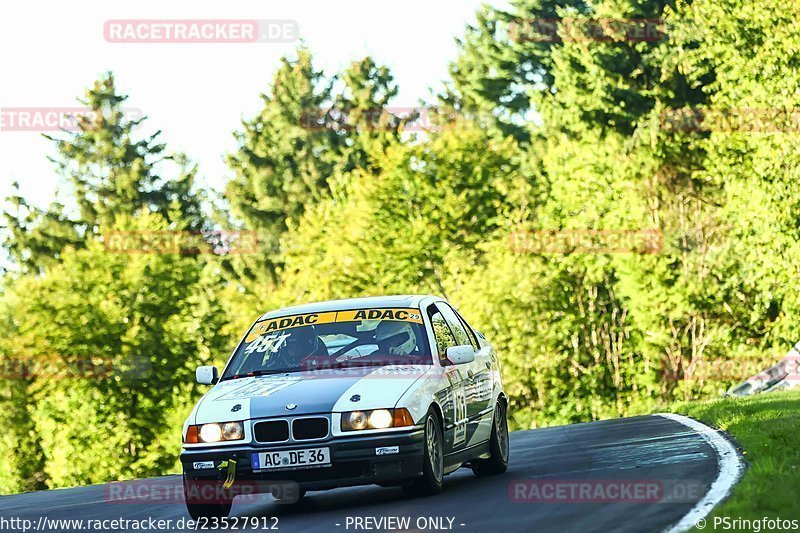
x=487 y=370
x=477 y=379
x=453 y=398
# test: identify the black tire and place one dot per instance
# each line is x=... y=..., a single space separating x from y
x=497 y=463
x=433 y=461
x=211 y=509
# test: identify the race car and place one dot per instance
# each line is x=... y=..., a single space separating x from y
x=391 y=390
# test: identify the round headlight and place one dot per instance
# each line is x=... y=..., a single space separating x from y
x=210 y=433
x=232 y=431
x=358 y=420
x=380 y=419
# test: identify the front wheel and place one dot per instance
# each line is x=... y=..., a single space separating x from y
x=497 y=463
x=433 y=460
x=199 y=506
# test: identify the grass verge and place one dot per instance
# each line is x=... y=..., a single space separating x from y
x=767 y=428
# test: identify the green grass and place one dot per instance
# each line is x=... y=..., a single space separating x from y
x=767 y=430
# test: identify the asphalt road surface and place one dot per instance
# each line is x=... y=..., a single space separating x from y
x=635 y=474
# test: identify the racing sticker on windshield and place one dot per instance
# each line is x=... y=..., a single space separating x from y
x=267 y=344
x=275 y=324
x=402 y=315
x=287 y=322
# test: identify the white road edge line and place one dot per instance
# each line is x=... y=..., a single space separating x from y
x=730 y=470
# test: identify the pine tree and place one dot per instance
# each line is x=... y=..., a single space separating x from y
x=109 y=172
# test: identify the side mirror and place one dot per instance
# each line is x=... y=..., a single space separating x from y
x=459 y=355
x=206 y=375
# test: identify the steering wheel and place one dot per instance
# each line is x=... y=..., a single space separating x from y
x=312 y=361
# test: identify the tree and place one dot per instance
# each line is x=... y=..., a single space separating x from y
x=114 y=340
x=306 y=137
x=95 y=341
x=110 y=172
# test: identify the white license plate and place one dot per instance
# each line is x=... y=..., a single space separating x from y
x=305 y=458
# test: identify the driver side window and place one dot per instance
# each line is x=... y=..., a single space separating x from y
x=461 y=337
x=444 y=337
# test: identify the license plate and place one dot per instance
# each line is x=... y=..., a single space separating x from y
x=281 y=459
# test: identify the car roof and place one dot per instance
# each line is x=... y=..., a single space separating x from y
x=347 y=304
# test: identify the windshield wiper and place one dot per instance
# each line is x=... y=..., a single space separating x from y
x=351 y=363
x=253 y=374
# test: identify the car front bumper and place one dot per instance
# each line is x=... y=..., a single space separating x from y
x=353 y=462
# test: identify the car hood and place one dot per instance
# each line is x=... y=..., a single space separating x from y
x=321 y=391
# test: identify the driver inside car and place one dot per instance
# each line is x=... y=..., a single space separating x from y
x=302 y=345
x=396 y=338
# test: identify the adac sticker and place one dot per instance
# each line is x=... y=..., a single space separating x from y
x=287 y=322
x=402 y=315
x=294 y=321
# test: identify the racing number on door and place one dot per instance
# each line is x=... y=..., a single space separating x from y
x=460 y=404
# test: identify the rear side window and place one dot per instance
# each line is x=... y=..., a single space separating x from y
x=444 y=337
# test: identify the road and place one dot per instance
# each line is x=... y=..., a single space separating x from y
x=671 y=463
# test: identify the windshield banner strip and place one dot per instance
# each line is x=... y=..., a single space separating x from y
x=294 y=321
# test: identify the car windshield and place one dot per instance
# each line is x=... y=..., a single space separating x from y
x=337 y=339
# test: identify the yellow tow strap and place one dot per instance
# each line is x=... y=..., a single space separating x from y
x=230 y=464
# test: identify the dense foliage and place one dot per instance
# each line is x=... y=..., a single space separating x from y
x=535 y=137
